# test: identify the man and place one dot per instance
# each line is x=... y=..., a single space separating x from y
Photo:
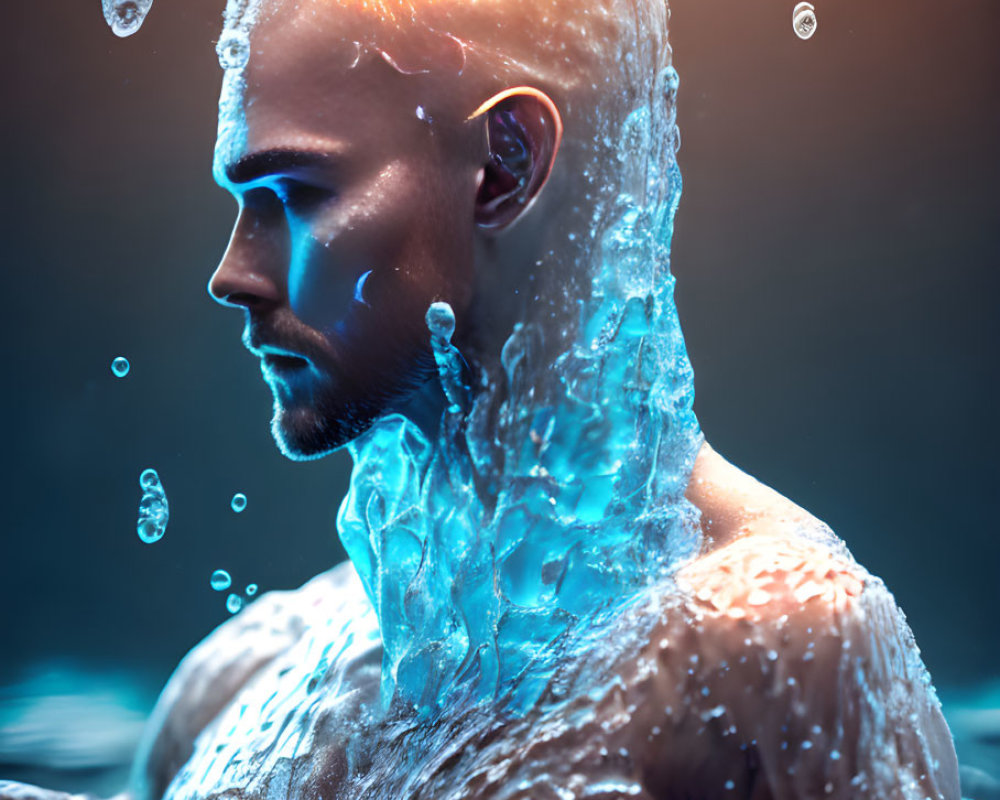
x=451 y=254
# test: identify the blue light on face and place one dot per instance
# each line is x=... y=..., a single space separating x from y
x=359 y=288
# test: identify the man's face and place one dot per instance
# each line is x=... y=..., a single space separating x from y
x=355 y=213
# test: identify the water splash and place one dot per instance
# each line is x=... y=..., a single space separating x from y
x=804 y=20
x=120 y=367
x=238 y=503
x=233 y=49
x=220 y=580
x=154 y=511
x=441 y=325
x=559 y=494
x=234 y=603
x=126 y=16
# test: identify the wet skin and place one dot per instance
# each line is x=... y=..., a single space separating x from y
x=408 y=210
x=353 y=217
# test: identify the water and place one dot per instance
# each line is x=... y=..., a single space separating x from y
x=233 y=50
x=154 y=510
x=120 y=367
x=220 y=580
x=239 y=502
x=126 y=16
x=804 y=20
x=234 y=603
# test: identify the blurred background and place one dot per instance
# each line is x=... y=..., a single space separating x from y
x=837 y=251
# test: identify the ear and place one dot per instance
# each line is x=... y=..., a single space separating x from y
x=523 y=130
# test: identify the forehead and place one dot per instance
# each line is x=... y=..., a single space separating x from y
x=319 y=70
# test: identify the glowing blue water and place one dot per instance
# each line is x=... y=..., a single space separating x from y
x=220 y=580
x=239 y=502
x=154 y=511
x=481 y=546
x=120 y=367
x=234 y=603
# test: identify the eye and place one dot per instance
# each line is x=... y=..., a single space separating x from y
x=299 y=196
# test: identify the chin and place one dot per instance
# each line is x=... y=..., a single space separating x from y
x=307 y=433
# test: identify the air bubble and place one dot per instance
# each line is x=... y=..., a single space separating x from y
x=125 y=16
x=233 y=50
x=220 y=580
x=234 y=603
x=804 y=20
x=239 y=502
x=251 y=589
x=154 y=511
x=120 y=367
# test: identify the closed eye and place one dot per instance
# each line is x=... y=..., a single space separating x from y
x=299 y=196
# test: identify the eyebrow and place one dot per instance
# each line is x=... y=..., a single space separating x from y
x=254 y=166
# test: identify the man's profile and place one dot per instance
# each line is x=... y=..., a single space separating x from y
x=452 y=254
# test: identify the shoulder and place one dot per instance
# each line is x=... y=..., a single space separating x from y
x=799 y=655
x=211 y=674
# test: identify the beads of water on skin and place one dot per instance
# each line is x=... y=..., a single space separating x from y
x=125 y=16
x=154 y=511
x=120 y=367
x=251 y=589
x=220 y=580
x=441 y=320
x=239 y=502
x=804 y=20
x=233 y=50
x=234 y=603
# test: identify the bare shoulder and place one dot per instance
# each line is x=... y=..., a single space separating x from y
x=214 y=671
x=792 y=670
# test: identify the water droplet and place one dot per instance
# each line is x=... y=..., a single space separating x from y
x=125 y=16
x=239 y=502
x=233 y=49
x=234 y=603
x=120 y=367
x=149 y=479
x=441 y=320
x=804 y=20
x=220 y=580
x=154 y=511
x=251 y=589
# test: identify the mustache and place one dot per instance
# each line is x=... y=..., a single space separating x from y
x=278 y=333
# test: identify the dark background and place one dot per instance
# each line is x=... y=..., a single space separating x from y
x=837 y=250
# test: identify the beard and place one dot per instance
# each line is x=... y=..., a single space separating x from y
x=311 y=431
x=321 y=411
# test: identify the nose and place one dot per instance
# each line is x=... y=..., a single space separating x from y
x=252 y=271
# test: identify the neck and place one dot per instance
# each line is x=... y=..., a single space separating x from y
x=548 y=491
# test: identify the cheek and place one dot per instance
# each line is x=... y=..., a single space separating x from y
x=326 y=273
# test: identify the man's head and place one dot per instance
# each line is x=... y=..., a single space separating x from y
x=387 y=155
